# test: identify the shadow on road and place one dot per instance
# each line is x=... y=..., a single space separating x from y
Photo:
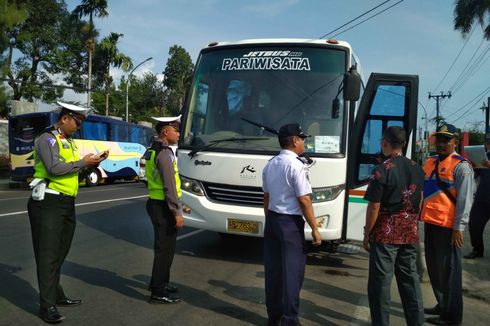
x=126 y=222
x=18 y=291
x=103 y=278
x=204 y=300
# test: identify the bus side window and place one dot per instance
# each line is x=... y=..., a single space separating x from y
x=94 y=130
x=119 y=133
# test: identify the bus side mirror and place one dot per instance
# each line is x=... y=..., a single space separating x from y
x=352 y=84
x=335 y=108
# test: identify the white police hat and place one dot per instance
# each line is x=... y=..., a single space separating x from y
x=74 y=108
x=168 y=120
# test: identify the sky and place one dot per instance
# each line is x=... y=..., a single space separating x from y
x=413 y=37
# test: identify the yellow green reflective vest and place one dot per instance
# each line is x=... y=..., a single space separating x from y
x=68 y=183
x=155 y=182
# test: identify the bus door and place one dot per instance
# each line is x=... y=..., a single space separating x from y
x=388 y=100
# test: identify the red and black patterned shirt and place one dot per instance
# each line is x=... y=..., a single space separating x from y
x=396 y=184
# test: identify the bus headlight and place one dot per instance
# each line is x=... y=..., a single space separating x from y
x=192 y=186
x=326 y=193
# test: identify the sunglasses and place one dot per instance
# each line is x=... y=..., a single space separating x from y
x=78 y=121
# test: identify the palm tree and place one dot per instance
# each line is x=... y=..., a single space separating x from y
x=91 y=8
x=111 y=56
x=466 y=12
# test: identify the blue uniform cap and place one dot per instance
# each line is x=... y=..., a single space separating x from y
x=292 y=129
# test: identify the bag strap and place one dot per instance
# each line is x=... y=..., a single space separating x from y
x=443 y=185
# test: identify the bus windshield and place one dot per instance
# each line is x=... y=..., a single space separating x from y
x=271 y=86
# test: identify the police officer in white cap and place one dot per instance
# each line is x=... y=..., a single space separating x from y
x=52 y=205
x=164 y=206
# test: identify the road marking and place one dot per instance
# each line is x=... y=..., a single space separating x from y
x=84 y=204
x=190 y=234
x=14 y=213
x=109 y=200
x=84 y=192
x=362 y=313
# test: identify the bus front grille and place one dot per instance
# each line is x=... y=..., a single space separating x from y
x=239 y=195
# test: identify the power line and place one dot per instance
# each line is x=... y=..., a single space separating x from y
x=470 y=102
x=463 y=72
x=365 y=13
x=471 y=107
x=382 y=11
x=473 y=68
x=454 y=61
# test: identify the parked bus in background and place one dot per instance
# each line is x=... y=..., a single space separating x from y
x=243 y=91
x=126 y=143
x=4 y=149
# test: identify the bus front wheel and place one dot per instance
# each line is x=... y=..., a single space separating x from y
x=93 y=178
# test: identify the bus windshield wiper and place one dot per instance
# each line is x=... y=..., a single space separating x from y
x=217 y=141
x=264 y=127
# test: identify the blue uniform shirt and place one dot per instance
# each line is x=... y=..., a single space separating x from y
x=285 y=178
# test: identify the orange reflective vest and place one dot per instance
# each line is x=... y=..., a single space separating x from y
x=438 y=208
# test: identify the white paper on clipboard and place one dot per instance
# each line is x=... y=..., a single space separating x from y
x=476 y=154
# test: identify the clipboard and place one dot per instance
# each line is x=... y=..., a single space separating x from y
x=476 y=154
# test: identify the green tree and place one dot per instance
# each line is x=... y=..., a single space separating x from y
x=467 y=12
x=107 y=56
x=12 y=13
x=177 y=78
x=48 y=43
x=146 y=97
x=91 y=8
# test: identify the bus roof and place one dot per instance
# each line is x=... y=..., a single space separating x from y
x=90 y=117
x=282 y=41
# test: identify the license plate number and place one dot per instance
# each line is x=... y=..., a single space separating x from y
x=243 y=226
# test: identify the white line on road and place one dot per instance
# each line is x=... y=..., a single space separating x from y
x=83 y=204
x=362 y=314
x=84 y=192
x=110 y=200
x=190 y=234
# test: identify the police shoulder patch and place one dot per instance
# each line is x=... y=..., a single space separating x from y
x=51 y=141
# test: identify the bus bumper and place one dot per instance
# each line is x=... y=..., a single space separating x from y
x=201 y=213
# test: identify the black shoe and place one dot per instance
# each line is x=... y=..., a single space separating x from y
x=168 y=288
x=50 y=315
x=474 y=254
x=165 y=299
x=433 y=311
x=68 y=302
x=440 y=321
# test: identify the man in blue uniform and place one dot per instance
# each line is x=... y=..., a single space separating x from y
x=480 y=211
x=287 y=193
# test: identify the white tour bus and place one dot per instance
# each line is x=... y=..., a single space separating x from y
x=243 y=92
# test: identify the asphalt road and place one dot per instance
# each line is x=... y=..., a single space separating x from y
x=221 y=280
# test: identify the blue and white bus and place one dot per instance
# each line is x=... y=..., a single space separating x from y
x=126 y=143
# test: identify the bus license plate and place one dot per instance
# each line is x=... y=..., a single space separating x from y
x=243 y=226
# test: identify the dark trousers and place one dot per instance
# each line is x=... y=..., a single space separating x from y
x=284 y=263
x=384 y=260
x=480 y=213
x=52 y=226
x=164 y=245
x=445 y=271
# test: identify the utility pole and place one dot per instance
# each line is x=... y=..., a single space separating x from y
x=487 y=117
x=438 y=97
